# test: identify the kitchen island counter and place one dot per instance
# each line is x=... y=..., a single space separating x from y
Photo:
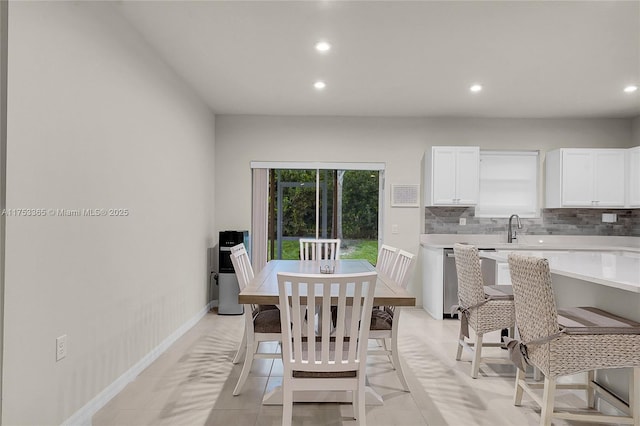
x=433 y=258
x=617 y=269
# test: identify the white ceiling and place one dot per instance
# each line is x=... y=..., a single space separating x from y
x=402 y=58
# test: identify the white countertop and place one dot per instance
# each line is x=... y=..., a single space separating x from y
x=535 y=242
x=613 y=269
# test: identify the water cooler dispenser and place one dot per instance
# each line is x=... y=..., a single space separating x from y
x=228 y=288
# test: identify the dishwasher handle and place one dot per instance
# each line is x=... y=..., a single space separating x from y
x=451 y=254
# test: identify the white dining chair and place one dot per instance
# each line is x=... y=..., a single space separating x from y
x=385 y=319
x=262 y=322
x=319 y=249
x=337 y=359
x=384 y=265
x=244 y=274
x=386 y=258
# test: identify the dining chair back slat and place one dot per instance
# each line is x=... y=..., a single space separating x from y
x=319 y=249
x=386 y=258
x=403 y=268
x=340 y=321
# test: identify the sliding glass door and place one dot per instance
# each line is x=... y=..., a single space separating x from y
x=360 y=199
x=295 y=195
x=324 y=203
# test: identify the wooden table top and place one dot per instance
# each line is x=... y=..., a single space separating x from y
x=263 y=289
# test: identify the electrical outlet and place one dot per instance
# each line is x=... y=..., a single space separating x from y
x=463 y=221
x=394 y=229
x=61 y=347
x=609 y=217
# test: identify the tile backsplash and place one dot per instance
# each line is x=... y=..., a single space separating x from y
x=445 y=220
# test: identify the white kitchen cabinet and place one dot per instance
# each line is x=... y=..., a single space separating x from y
x=452 y=175
x=577 y=177
x=633 y=155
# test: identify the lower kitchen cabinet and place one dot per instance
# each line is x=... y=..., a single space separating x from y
x=432 y=279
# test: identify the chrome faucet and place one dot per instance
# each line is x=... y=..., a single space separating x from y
x=512 y=232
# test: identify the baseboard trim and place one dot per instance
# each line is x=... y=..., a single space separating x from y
x=83 y=416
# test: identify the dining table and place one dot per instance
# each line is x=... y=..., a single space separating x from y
x=263 y=290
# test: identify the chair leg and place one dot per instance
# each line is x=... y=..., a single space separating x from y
x=477 y=355
x=287 y=405
x=241 y=348
x=389 y=354
x=246 y=367
x=634 y=396
x=362 y=415
x=517 y=395
x=590 y=390
x=460 y=340
x=547 y=401
x=354 y=403
x=396 y=363
x=537 y=374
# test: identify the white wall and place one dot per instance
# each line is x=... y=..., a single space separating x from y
x=398 y=142
x=636 y=132
x=97 y=121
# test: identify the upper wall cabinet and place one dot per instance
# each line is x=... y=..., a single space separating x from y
x=578 y=177
x=452 y=175
x=508 y=184
x=633 y=154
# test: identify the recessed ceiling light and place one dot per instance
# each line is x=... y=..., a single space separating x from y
x=631 y=88
x=323 y=46
x=475 y=88
x=319 y=85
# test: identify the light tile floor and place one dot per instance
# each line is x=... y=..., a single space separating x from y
x=191 y=384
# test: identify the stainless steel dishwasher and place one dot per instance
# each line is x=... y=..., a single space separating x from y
x=450 y=280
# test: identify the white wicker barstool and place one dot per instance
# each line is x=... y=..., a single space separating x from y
x=484 y=309
x=602 y=341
